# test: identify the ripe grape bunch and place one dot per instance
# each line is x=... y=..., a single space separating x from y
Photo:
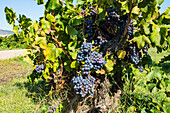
x=84 y=51
x=93 y=60
x=100 y=40
x=90 y=21
x=107 y=28
x=84 y=85
x=112 y=17
x=39 y=68
x=97 y=60
x=130 y=30
x=134 y=55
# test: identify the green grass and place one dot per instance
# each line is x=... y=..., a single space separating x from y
x=17 y=95
x=14 y=99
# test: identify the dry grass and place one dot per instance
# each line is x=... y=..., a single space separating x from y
x=13 y=68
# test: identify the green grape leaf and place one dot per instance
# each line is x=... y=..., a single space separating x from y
x=160 y=2
x=31 y=31
x=15 y=30
x=67 y=65
x=159 y=76
x=71 y=30
x=132 y=108
x=73 y=55
x=50 y=52
x=43 y=45
x=10 y=16
x=75 y=21
x=51 y=18
x=155 y=89
x=24 y=22
x=151 y=86
x=80 y=2
x=109 y=65
x=45 y=75
x=146 y=29
x=35 y=24
x=39 y=2
x=38 y=40
x=58 y=52
x=161 y=18
x=136 y=10
x=68 y=1
x=167 y=11
x=163 y=31
x=155 y=36
x=55 y=66
x=168 y=39
x=140 y=41
x=147 y=40
x=52 y=4
x=143 y=110
x=70 y=11
x=150 y=75
x=60 y=23
x=72 y=46
x=45 y=25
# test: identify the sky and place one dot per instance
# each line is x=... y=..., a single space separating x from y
x=34 y=11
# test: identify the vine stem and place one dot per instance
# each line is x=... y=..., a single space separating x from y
x=83 y=33
x=55 y=39
x=61 y=66
x=125 y=32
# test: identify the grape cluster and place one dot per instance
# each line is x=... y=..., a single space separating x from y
x=84 y=51
x=134 y=55
x=97 y=60
x=39 y=68
x=90 y=21
x=87 y=66
x=84 y=85
x=89 y=29
x=93 y=60
x=130 y=30
x=112 y=17
x=52 y=109
x=100 y=41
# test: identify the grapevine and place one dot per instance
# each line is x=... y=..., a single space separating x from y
x=83 y=47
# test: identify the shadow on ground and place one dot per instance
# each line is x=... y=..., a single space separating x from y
x=37 y=91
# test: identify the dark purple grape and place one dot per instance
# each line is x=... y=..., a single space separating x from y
x=39 y=68
x=84 y=85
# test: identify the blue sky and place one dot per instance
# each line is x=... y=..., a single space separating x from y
x=34 y=11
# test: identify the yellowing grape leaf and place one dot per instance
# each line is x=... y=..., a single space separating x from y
x=102 y=71
x=74 y=64
x=121 y=54
x=109 y=65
